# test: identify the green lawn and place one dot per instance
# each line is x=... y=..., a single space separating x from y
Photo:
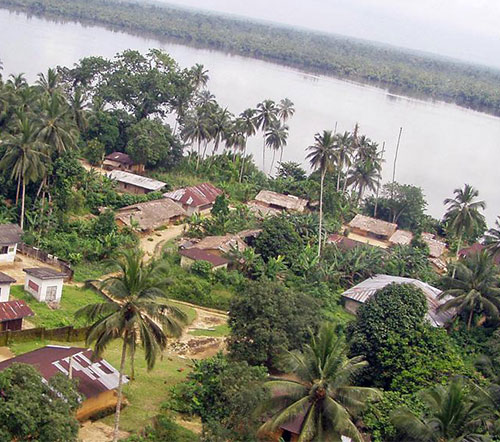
x=220 y=330
x=90 y=270
x=146 y=394
x=72 y=299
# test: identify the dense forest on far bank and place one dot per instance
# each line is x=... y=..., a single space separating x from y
x=408 y=73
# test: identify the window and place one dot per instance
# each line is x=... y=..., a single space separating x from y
x=33 y=286
x=11 y=249
x=4 y=250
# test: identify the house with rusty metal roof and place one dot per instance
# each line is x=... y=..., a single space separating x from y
x=97 y=378
x=362 y=292
x=12 y=314
x=150 y=215
x=10 y=237
x=192 y=255
x=221 y=245
x=195 y=199
x=121 y=161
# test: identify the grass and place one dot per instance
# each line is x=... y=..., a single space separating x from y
x=72 y=299
x=188 y=311
x=145 y=394
x=219 y=331
x=90 y=270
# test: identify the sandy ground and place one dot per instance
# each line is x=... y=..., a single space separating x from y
x=97 y=432
x=15 y=269
x=5 y=354
x=152 y=243
x=87 y=166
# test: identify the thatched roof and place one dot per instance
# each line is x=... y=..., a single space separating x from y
x=151 y=214
x=373 y=225
x=262 y=211
x=366 y=289
x=436 y=247
x=279 y=200
x=345 y=243
x=224 y=243
x=402 y=237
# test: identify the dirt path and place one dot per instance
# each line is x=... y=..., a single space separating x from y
x=5 y=354
x=152 y=243
x=98 y=432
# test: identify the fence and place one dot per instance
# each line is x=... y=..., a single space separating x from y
x=47 y=258
x=62 y=334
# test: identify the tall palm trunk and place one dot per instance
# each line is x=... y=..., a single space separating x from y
x=457 y=255
x=264 y=155
x=18 y=189
x=469 y=322
x=243 y=159
x=272 y=162
x=199 y=153
x=119 y=392
x=339 y=172
x=23 y=196
x=281 y=154
x=320 y=231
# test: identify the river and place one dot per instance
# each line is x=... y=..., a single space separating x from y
x=442 y=147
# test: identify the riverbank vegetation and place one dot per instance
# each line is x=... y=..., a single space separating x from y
x=287 y=329
x=399 y=71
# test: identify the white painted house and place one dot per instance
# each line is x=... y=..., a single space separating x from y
x=44 y=283
x=5 y=282
x=10 y=236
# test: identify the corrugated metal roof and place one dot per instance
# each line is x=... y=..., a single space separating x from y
x=136 y=180
x=201 y=195
x=10 y=234
x=119 y=157
x=15 y=309
x=45 y=273
x=402 y=237
x=366 y=289
x=201 y=255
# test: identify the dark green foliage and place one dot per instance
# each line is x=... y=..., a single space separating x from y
x=203 y=269
x=410 y=262
x=404 y=352
x=32 y=410
x=266 y=318
x=224 y=394
x=410 y=73
x=164 y=429
x=94 y=152
x=278 y=237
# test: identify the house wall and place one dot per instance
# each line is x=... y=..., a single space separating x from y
x=186 y=262
x=351 y=306
x=10 y=255
x=130 y=188
x=4 y=292
x=38 y=287
x=94 y=405
x=362 y=232
x=16 y=324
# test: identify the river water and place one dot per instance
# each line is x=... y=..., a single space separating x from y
x=442 y=146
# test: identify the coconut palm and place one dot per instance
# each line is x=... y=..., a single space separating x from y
x=139 y=314
x=286 y=110
x=199 y=76
x=219 y=127
x=453 y=413
x=23 y=157
x=364 y=175
x=49 y=84
x=79 y=110
x=267 y=114
x=473 y=288
x=196 y=130
x=321 y=156
x=319 y=391
x=492 y=239
x=343 y=147
x=276 y=137
x=247 y=124
x=463 y=213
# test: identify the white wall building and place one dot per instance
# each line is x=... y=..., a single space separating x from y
x=10 y=235
x=5 y=282
x=44 y=283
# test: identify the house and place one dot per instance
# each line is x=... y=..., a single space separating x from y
x=195 y=199
x=10 y=236
x=467 y=252
x=97 y=379
x=121 y=161
x=360 y=293
x=12 y=314
x=249 y=236
x=5 y=282
x=44 y=283
x=151 y=214
x=221 y=245
x=401 y=237
x=279 y=201
x=192 y=255
x=437 y=248
x=261 y=211
x=136 y=184
x=371 y=227
x=343 y=242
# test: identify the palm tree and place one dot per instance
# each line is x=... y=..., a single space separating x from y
x=138 y=314
x=23 y=157
x=364 y=175
x=322 y=157
x=196 y=130
x=473 y=288
x=276 y=137
x=79 y=110
x=462 y=215
x=266 y=116
x=199 y=76
x=286 y=110
x=319 y=391
x=49 y=84
x=343 y=147
x=247 y=124
x=453 y=413
x=220 y=123
x=492 y=239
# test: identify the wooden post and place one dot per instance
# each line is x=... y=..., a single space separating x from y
x=379 y=180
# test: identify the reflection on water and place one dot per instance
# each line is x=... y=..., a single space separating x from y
x=442 y=146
